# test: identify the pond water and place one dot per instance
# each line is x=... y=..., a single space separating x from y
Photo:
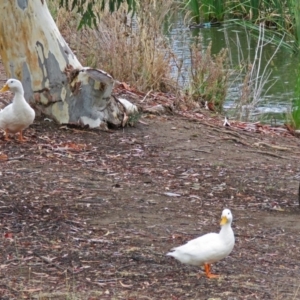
x=276 y=99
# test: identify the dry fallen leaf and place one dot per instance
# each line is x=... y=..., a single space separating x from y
x=3 y=156
x=8 y=235
x=125 y=285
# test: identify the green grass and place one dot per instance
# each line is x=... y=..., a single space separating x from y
x=194 y=8
x=295 y=114
x=294 y=9
x=282 y=17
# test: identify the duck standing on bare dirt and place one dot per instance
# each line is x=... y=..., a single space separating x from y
x=209 y=248
x=18 y=115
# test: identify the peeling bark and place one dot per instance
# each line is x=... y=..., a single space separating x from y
x=55 y=83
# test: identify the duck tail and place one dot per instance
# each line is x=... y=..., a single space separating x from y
x=170 y=254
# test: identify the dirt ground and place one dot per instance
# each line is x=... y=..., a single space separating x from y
x=91 y=214
x=88 y=214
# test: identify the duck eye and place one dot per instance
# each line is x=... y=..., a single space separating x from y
x=11 y=81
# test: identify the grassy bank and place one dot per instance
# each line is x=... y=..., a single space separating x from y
x=281 y=17
x=136 y=50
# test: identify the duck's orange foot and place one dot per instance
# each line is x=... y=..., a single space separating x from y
x=6 y=138
x=212 y=275
x=21 y=138
x=207 y=272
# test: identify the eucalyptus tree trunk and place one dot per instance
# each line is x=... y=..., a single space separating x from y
x=55 y=83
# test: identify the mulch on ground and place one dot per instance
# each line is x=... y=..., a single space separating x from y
x=88 y=214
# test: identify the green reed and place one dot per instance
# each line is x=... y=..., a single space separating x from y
x=295 y=113
x=277 y=15
x=294 y=8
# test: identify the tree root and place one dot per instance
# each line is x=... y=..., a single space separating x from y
x=271 y=146
x=234 y=139
x=267 y=153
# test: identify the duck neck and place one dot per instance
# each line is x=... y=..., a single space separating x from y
x=19 y=97
x=225 y=229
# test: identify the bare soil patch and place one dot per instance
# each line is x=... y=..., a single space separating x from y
x=87 y=214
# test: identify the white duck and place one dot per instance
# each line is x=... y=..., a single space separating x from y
x=209 y=248
x=18 y=115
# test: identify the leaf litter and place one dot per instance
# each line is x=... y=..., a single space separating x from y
x=91 y=216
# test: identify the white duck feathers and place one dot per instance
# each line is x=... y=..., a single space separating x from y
x=18 y=115
x=208 y=248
